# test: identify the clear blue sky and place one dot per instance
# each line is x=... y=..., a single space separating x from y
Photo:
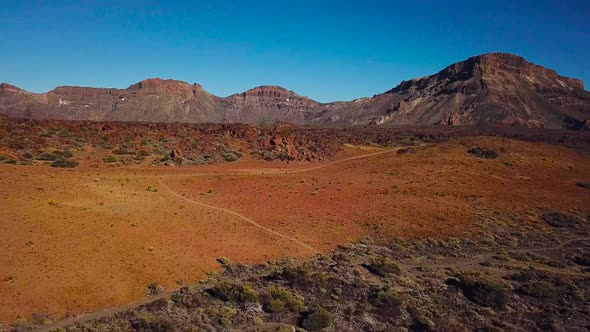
x=326 y=50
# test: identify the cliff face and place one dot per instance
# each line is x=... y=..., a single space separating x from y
x=488 y=88
x=268 y=104
x=494 y=87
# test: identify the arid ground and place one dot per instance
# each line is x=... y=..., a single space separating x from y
x=92 y=237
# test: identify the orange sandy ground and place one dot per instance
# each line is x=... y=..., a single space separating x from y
x=84 y=239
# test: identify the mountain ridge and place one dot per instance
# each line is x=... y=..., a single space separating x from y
x=493 y=87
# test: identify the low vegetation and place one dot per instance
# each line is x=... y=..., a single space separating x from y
x=388 y=287
x=483 y=153
x=559 y=219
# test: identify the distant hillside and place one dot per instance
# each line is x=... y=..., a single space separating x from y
x=497 y=87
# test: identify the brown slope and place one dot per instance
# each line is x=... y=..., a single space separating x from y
x=496 y=87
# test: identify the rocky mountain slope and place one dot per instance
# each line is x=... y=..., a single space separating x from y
x=496 y=87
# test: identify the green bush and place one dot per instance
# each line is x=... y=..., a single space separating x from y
x=583 y=260
x=386 y=301
x=229 y=291
x=110 y=159
x=231 y=156
x=296 y=275
x=541 y=289
x=316 y=319
x=224 y=261
x=151 y=322
x=383 y=266
x=280 y=300
x=64 y=163
x=483 y=153
x=55 y=155
x=123 y=152
x=558 y=219
x=485 y=291
x=7 y=160
x=285 y=157
x=46 y=156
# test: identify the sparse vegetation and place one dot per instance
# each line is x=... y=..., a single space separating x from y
x=231 y=156
x=64 y=163
x=538 y=288
x=110 y=159
x=317 y=319
x=383 y=266
x=386 y=301
x=233 y=292
x=484 y=290
x=483 y=153
x=280 y=300
x=558 y=219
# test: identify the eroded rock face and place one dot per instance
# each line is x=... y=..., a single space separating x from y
x=489 y=88
x=269 y=104
x=496 y=87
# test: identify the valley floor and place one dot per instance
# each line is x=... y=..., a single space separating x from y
x=83 y=239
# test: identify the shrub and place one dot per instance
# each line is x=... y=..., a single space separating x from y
x=405 y=150
x=151 y=322
x=485 y=291
x=558 y=219
x=316 y=319
x=64 y=163
x=583 y=260
x=64 y=154
x=154 y=289
x=280 y=300
x=386 y=301
x=296 y=275
x=233 y=292
x=231 y=156
x=285 y=157
x=46 y=156
x=224 y=261
x=541 y=289
x=110 y=159
x=483 y=153
x=123 y=152
x=6 y=160
x=383 y=266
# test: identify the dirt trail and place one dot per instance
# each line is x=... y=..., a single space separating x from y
x=102 y=313
x=241 y=216
x=114 y=310
x=249 y=220
x=481 y=258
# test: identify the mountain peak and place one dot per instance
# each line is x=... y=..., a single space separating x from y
x=165 y=85
x=273 y=91
x=9 y=87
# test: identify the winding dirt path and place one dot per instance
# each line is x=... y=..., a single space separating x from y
x=239 y=215
x=114 y=310
x=481 y=258
x=250 y=220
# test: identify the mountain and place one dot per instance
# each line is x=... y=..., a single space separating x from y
x=496 y=87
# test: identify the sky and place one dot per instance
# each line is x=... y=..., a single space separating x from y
x=326 y=50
